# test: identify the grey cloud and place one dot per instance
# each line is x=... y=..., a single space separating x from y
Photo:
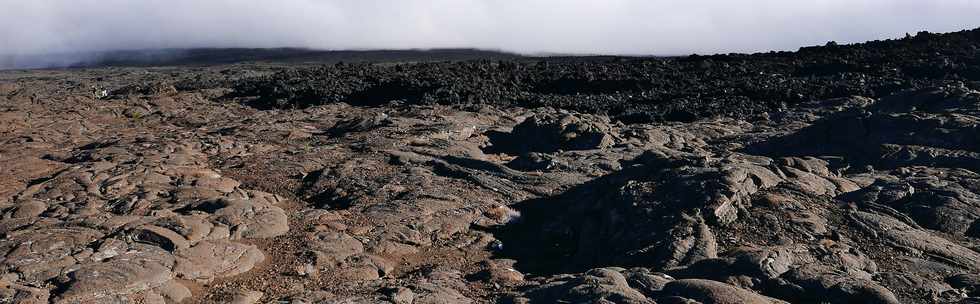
x=660 y=27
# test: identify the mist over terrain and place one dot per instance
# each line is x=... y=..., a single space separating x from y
x=30 y=31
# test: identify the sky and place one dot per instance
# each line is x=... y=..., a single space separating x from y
x=625 y=27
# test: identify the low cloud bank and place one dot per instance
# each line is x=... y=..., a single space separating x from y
x=630 y=27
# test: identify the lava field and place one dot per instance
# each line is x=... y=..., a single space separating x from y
x=834 y=174
x=638 y=90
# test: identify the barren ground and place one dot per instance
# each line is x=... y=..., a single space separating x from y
x=838 y=174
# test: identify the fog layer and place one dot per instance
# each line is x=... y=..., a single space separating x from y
x=658 y=27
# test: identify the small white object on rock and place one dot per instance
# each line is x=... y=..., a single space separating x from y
x=100 y=93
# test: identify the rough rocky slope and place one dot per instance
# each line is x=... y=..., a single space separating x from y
x=840 y=174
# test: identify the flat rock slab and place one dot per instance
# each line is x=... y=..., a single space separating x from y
x=209 y=260
x=44 y=253
x=132 y=272
x=714 y=292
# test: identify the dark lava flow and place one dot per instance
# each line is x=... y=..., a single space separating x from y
x=636 y=90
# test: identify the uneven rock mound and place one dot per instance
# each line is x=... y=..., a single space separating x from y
x=930 y=127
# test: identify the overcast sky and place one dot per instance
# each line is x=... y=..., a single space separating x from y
x=658 y=27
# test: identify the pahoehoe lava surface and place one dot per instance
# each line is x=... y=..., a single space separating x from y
x=835 y=174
